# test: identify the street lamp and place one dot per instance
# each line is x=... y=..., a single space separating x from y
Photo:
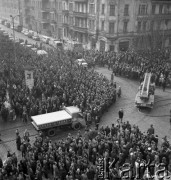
x=13 y=17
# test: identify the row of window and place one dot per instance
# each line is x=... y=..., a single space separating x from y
x=112 y=10
x=161 y=8
x=112 y=27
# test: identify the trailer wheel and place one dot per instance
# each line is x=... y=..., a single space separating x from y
x=51 y=132
x=77 y=126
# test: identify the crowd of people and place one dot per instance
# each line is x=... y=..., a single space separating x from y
x=84 y=156
x=58 y=82
x=133 y=64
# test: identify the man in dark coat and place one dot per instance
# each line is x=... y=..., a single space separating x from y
x=18 y=142
x=121 y=113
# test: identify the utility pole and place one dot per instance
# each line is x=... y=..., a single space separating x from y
x=13 y=17
x=20 y=13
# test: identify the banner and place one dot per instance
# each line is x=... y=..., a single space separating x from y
x=29 y=79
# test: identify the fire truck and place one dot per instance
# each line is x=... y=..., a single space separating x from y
x=145 y=94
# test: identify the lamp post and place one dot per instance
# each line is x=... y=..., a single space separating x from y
x=13 y=17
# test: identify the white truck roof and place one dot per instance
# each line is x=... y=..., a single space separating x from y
x=51 y=117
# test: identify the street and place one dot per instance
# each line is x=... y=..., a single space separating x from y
x=158 y=116
x=22 y=36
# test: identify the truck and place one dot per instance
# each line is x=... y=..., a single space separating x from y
x=69 y=117
x=145 y=94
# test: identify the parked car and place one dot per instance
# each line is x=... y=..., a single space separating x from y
x=24 y=31
x=8 y=25
x=3 y=22
x=45 y=39
x=36 y=38
x=30 y=34
x=18 y=28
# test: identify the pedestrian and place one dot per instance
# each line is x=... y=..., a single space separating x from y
x=119 y=91
x=0 y=137
x=164 y=85
x=18 y=142
x=97 y=121
x=121 y=114
x=112 y=78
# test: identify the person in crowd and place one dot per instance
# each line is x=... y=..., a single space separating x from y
x=121 y=114
x=79 y=157
x=119 y=92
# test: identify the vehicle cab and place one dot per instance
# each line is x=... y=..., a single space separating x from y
x=77 y=117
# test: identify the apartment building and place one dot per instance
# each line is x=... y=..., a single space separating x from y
x=43 y=16
x=153 y=24
x=139 y=24
x=116 y=24
x=10 y=7
x=161 y=23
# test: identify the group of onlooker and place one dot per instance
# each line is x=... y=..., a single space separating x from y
x=94 y=154
x=58 y=81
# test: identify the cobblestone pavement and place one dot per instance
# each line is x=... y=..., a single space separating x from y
x=158 y=116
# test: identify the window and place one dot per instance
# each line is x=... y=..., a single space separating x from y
x=92 y=9
x=160 y=8
x=92 y=25
x=143 y=9
x=126 y=10
x=111 y=28
x=71 y=20
x=139 y=26
x=152 y=25
x=144 y=25
x=125 y=27
x=71 y=6
x=103 y=9
x=153 y=8
x=76 y=22
x=112 y=10
x=102 y=25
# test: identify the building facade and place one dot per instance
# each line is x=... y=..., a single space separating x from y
x=43 y=16
x=138 y=24
x=8 y=8
x=114 y=25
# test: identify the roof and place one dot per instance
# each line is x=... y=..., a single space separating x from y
x=50 y=117
x=72 y=110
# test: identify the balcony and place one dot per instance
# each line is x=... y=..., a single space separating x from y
x=65 y=24
x=80 y=14
x=65 y=11
x=45 y=10
x=161 y=16
x=81 y=29
x=53 y=10
x=52 y=21
x=45 y=21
